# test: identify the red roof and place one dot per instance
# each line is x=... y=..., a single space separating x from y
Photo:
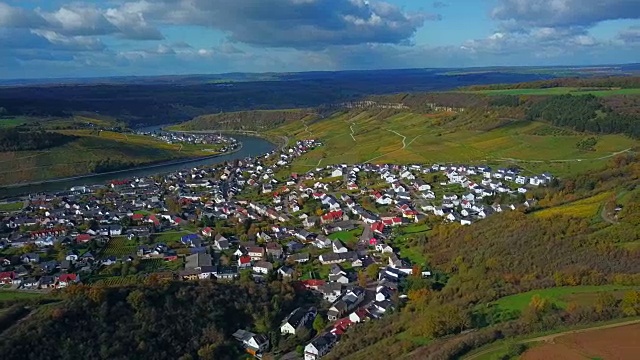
x=68 y=277
x=206 y=230
x=313 y=283
x=333 y=215
x=244 y=259
x=83 y=237
x=377 y=226
x=137 y=217
x=342 y=324
x=373 y=241
x=7 y=275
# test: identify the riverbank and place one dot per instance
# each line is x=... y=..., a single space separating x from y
x=249 y=146
x=281 y=141
x=143 y=167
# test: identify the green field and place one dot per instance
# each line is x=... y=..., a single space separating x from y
x=560 y=91
x=13 y=295
x=12 y=206
x=347 y=237
x=416 y=138
x=559 y=296
x=6 y=122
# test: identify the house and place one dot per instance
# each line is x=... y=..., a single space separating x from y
x=226 y=272
x=286 y=272
x=310 y=222
x=338 y=247
x=197 y=261
x=47 y=282
x=347 y=302
x=358 y=316
x=319 y=346
x=256 y=252
x=331 y=291
x=244 y=261
x=253 y=344
x=275 y=250
x=30 y=258
x=221 y=242
x=336 y=258
x=336 y=173
x=262 y=267
x=298 y=319
x=299 y=257
x=67 y=279
x=7 y=277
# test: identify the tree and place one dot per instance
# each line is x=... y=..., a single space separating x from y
x=631 y=303
x=362 y=279
x=372 y=271
x=319 y=323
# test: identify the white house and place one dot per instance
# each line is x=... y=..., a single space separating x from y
x=319 y=346
x=298 y=318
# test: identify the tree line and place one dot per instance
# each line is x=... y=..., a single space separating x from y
x=13 y=139
x=583 y=113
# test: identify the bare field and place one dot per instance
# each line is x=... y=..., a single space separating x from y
x=619 y=343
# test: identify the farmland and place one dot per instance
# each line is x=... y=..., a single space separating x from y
x=561 y=91
x=406 y=137
x=612 y=343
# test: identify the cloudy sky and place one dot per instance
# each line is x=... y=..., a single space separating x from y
x=68 y=38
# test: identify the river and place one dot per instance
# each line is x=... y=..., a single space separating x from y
x=251 y=146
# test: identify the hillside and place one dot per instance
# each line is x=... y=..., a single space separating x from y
x=160 y=321
x=254 y=120
x=101 y=151
x=572 y=255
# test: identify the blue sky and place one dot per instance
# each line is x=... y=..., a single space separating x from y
x=71 y=38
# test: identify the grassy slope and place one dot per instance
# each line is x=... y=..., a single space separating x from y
x=431 y=138
x=76 y=158
x=560 y=296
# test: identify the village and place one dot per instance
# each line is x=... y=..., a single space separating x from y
x=227 y=143
x=334 y=231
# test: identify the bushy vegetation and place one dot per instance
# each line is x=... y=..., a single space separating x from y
x=158 y=320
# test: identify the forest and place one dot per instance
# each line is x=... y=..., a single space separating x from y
x=159 y=320
x=12 y=139
x=583 y=113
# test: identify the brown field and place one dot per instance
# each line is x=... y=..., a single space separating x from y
x=620 y=343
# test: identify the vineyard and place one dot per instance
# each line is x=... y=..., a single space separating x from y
x=119 y=247
x=115 y=281
x=155 y=265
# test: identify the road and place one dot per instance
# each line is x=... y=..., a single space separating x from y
x=551 y=337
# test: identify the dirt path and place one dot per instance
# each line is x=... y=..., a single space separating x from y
x=566 y=160
x=352 y=132
x=551 y=337
x=404 y=138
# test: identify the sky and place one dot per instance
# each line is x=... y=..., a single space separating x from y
x=70 y=38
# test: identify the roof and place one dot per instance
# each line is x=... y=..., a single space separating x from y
x=197 y=260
